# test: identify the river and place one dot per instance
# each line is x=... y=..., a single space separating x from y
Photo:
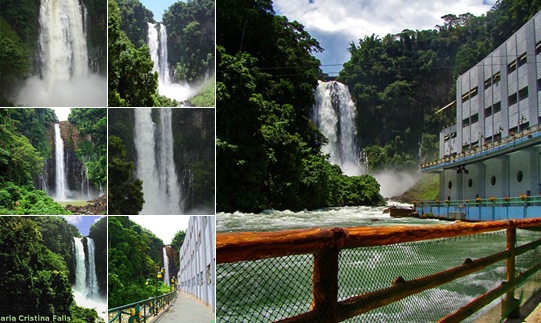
x=270 y=289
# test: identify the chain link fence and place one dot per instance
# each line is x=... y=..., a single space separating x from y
x=285 y=288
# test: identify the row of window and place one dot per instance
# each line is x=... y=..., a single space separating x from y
x=517 y=96
x=494 y=80
x=520 y=176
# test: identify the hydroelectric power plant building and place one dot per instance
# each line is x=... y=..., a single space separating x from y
x=489 y=162
x=197 y=274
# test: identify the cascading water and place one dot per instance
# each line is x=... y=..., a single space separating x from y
x=85 y=289
x=157 y=43
x=80 y=266
x=165 y=266
x=62 y=40
x=334 y=114
x=64 y=77
x=60 y=176
x=155 y=163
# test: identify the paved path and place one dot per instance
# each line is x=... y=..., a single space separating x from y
x=187 y=308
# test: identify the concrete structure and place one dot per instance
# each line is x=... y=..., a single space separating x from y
x=197 y=275
x=493 y=149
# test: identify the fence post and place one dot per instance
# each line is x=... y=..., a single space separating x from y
x=325 y=285
x=510 y=305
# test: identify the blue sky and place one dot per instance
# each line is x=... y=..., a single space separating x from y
x=158 y=7
x=82 y=222
x=337 y=23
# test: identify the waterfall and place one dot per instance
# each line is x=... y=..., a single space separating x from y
x=334 y=114
x=62 y=40
x=92 y=281
x=80 y=267
x=155 y=163
x=157 y=43
x=166 y=267
x=60 y=176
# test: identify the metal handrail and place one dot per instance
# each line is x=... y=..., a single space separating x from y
x=325 y=245
x=141 y=310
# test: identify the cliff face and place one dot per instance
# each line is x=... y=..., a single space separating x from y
x=76 y=173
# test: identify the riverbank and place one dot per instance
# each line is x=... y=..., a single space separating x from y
x=94 y=207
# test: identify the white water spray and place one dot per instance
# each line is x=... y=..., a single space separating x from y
x=334 y=114
x=85 y=289
x=157 y=43
x=64 y=78
x=60 y=176
x=80 y=266
x=92 y=282
x=155 y=163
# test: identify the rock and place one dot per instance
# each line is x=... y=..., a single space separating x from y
x=95 y=207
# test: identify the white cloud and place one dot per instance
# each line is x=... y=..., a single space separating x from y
x=340 y=22
x=163 y=226
x=73 y=219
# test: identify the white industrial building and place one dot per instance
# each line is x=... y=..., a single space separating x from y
x=493 y=149
x=197 y=274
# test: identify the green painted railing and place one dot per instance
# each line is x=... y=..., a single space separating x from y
x=143 y=310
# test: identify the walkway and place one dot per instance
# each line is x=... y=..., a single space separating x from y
x=187 y=308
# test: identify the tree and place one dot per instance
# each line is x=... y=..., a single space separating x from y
x=178 y=240
x=125 y=192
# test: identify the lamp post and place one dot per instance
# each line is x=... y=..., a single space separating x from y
x=158 y=276
x=173 y=284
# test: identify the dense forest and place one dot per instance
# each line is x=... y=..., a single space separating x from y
x=38 y=266
x=399 y=81
x=268 y=151
x=193 y=149
x=135 y=256
x=19 y=31
x=27 y=161
x=131 y=80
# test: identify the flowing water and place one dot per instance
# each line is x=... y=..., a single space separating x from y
x=334 y=114
x=157 y=43
x=64 y=77
x=155 y=163
x=85 y=289
x=60 y=170
x=283 y=287
x=165 y=266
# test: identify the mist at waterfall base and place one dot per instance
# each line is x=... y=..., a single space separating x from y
x=85 y=289
x=334 y=113
x=157 y=43
x=162 y=190
x=65 y=76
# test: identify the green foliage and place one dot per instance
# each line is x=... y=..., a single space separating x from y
x=96 y=34
x=32 y=285
x=125 y=192
x=135 y=17
x=207 y=95
x=178 y=240
x=98 y=233
x=190 y=39
x=131 y=81
x=14 y=56
x=399 y=81
x=268 y=151
x=92 y=151
x=134 y=256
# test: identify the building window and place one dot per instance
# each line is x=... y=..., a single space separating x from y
x=523 y=93
x=497 y=107
x=470 y=182
x=512 y=67
x=450 y=185
x=538 y=48
x=475 y=118
x=488 y=112
x=493 y=180
x=512 y=99
x=519 y=176
x=488 y=83
x=466 y=122
x=538 y=85
x=473 y=92
x=496 y=78
x=523 y=59
x=465 y=97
